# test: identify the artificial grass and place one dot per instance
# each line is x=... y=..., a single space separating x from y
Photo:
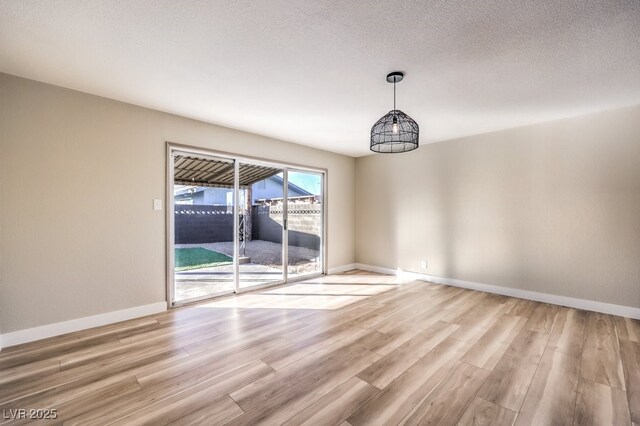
x=198 y=257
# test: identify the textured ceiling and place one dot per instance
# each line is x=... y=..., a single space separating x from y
x=312 y=72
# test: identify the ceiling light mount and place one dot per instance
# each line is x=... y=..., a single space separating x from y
x=395 y=131
x=395 y=77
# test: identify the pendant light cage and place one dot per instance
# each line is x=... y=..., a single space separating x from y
x=395 y=131
x=386 y=139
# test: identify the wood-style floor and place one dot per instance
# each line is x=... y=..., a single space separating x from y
x=356 y=349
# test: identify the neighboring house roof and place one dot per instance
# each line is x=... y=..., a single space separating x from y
x=291 y=186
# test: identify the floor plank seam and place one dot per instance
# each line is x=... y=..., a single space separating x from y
x=546 y=345
x=434 y=387
x=584 y=341
x=491 y=402
x=615 y=329
x=466 y=406
x=477 y=366
x=501 y=406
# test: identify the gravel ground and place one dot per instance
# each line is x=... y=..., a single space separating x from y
x=301 y=259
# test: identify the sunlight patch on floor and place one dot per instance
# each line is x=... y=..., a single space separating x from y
x=327 y=292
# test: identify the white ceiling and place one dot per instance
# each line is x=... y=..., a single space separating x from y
x=313 y=72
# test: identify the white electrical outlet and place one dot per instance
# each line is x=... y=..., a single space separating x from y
x=157 y=204
x=423 y=264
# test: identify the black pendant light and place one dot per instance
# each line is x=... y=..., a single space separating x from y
x=395 y=131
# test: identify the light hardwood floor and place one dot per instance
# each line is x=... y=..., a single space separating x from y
x=357 y=348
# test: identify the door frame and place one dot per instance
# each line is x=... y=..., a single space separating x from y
x=171 y=148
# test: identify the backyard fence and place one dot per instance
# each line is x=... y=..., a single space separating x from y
x=304 y=223
x=203 y=224
x=197 y=224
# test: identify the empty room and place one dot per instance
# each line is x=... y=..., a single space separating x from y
x=320 y=212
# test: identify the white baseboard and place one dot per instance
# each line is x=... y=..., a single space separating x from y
x=571 y=302
x=50 y=330
x=378 y=269
x=342 y=268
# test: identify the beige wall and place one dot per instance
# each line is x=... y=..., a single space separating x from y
x=552 y=208
x=78 y=173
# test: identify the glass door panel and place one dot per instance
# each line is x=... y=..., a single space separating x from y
x=260 y=211
x=304 y=223
x=203 y=226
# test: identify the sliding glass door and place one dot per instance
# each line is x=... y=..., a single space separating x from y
x=203 y=224
x=304 y=222
x=238 y=224
x=261 y=217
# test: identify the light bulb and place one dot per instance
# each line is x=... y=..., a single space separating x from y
x=394 y=126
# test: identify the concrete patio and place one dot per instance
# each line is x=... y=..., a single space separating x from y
x=265 y=266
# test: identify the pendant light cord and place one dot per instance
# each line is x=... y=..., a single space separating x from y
x=394 y=93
